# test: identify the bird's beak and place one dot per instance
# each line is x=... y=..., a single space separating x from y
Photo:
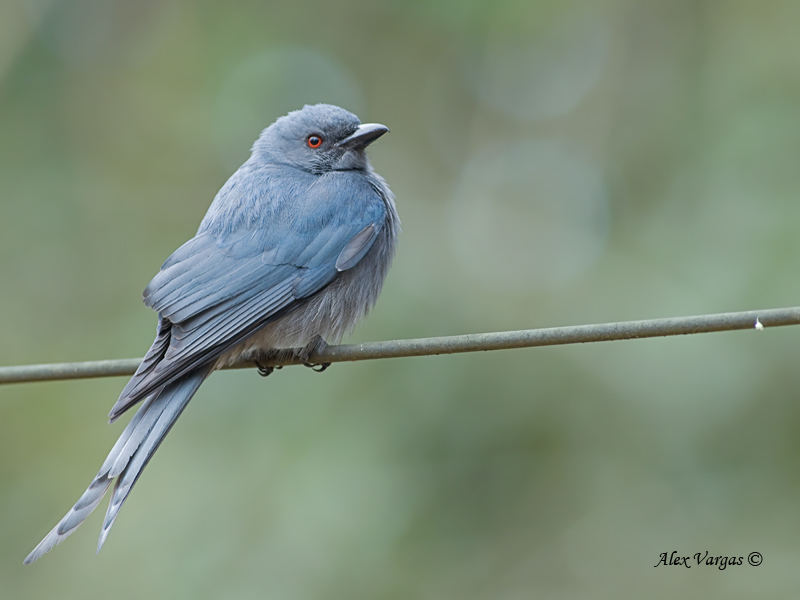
x=363 y=136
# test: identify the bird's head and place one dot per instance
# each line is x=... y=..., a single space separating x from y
x=318 y=139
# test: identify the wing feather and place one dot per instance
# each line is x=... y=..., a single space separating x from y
x=356 y=248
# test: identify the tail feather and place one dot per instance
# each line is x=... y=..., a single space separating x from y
x=172 y=409
x=84 y=507
x=127 y=459
x=140 y=433
x=154 y=355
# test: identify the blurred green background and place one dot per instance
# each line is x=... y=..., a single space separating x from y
x=555 y=163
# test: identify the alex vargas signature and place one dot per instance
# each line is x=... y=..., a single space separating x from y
x=672 y=559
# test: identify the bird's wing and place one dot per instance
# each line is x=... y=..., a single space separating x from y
x=216 y=290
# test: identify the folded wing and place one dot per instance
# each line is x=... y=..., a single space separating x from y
x=218 y=289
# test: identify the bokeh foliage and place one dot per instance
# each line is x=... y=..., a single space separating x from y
x=554 y=163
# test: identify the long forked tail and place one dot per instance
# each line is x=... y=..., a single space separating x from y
x=127 y=459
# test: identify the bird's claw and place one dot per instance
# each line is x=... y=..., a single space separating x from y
x=318 y=367
x=265 y=371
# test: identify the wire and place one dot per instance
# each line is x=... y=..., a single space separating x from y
x=555 y=336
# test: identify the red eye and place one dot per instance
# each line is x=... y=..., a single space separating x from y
x=314 y=141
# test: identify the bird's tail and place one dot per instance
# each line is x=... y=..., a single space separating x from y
x=127 y=459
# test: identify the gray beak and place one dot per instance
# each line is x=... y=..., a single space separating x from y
x=363 y=136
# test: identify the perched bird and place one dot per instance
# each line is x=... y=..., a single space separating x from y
x=292 y=253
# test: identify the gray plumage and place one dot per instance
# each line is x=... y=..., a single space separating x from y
x=293 y=251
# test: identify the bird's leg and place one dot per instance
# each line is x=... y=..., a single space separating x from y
x=316 y=345
x=266 y=356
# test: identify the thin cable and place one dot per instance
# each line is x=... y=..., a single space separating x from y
x=554 y=336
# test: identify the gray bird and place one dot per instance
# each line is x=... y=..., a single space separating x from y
x=292 y=253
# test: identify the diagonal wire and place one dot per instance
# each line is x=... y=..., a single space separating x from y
x=554 y=336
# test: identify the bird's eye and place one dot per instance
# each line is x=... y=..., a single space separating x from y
x=314 y=141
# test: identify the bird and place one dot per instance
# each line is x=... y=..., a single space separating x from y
x=292 y=253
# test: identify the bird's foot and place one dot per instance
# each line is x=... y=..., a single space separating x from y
x=262 y=360
x=316 y=345
x=265 y=371
x=264 y=357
